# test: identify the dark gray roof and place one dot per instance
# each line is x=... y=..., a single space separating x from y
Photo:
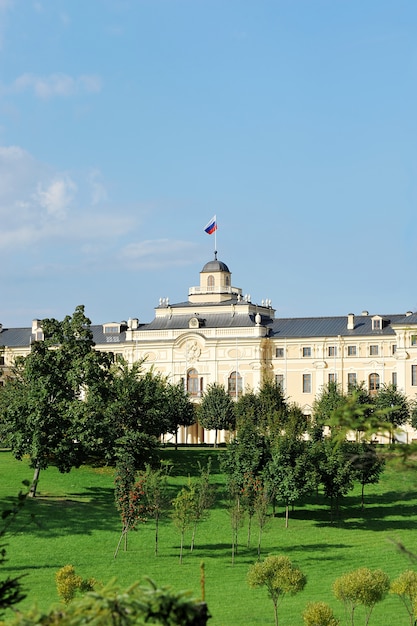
x=221 y=320
x=215 y=266
x=16 y=337
x=280 y=328
x=332 y=326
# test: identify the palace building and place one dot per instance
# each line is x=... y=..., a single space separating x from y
x=219 y=335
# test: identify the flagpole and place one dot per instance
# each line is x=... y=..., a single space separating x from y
x=215 y=239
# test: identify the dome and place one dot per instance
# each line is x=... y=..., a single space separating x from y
x=215 y=266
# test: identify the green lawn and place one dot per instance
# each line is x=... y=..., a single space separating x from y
x=74 y=521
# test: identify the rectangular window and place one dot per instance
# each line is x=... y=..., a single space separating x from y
x=414 y=375
x=393 y=348
x=394 y=378
x=307 y=351
x=1 y=360
x=306 y=383
x=351 y=350
x=279 y=353
x=373 y=350
x=351 y=380
x=414 y=340
x=112 y=330
x=279 y=380
x=331 y=351
x=376 y=324
x=332 y=378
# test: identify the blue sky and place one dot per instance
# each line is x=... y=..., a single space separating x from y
x=125 y=125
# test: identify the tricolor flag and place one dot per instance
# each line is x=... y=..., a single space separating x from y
x=211 y=226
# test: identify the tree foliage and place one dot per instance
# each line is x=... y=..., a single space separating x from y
x=361 y=587
x=41 y=413
x=216 y=410
x=319 y=614
x=279 y=576
x=140 y=604
x=405 y=587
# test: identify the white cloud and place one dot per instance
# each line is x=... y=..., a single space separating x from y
x=57 y=196
x=97 y=187
x=158 y=253
x=59 y=84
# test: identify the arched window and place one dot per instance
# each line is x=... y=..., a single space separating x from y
x=373 y=384
x=210 y=283
x=227 y=281
x=234 y=384
x=193 y=383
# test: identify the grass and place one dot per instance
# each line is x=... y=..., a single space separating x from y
x=74 y=521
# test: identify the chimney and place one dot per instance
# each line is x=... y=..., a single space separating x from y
x=36 y=324
x=133 y=323
x=351 y=321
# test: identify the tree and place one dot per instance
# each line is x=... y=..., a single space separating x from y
x=288 y=475
x=279 y=576
x=204 y=497
x=366 y=463
x=216 y=410
x=319 y=614
x=129 y=496
x=329 y=399
x=179 y=409
x=335 y=473
x=361 y=587
x=184 y=512
x=405 y=587
x=273 y=409
x=155 y=486
x=394 y=404
x=42 y=415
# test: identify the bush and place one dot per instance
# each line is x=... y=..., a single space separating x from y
x=319 y=614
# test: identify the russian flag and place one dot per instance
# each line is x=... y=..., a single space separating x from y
x=211 y=226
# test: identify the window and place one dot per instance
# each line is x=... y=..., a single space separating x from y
x=279 y=353
x=351 y=350
x=331 y=351
x=394 y=378
x=393 y=348
x=279 y=381
x=414 y=340
x=376 y=324
x=111 y=329
x=374 y=383
x=1 y=360
x=332 y=378
x=193 y=386
x=234 y=384
x=351 y=380
x=373 y=350
x=414 y=375
x=306 y=351
x=210 y=283
x=306 y=383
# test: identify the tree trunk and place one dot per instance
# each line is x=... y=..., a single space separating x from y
x=286 y=515
x=181 y=546
x=35 y=479
x=156 y=534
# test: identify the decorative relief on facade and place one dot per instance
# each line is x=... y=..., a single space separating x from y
x=193 y=352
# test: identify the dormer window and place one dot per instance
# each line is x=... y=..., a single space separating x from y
x=111 y=329
x=377 y=322
x=193 y=323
